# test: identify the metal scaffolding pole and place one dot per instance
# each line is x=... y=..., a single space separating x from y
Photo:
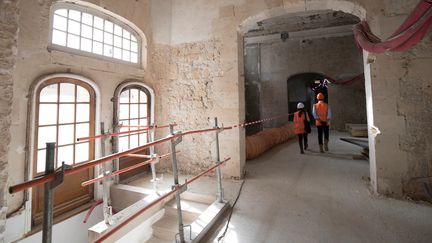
x=174 y=142
x=218 y=170
x=48 y=195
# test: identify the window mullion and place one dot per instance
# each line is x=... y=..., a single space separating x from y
x=57 y=125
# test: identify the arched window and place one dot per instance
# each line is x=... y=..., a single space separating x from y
x=86 y=31
x=134 y=113
x=65 y=111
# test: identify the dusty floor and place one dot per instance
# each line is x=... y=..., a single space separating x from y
x=289 y=197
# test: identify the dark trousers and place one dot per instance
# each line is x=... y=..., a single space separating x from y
x=322 y=129
x=302 y=139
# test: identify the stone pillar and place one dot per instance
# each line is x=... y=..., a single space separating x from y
x=8 y=50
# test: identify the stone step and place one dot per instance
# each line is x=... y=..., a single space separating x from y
x=158 y=240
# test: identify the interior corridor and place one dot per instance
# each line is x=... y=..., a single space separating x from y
x=290 y=197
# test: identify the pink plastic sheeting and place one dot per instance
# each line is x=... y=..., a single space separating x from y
x=412 y=31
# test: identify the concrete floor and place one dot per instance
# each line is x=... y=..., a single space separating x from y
x=290 y=197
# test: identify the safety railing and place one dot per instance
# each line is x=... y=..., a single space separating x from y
x=53 y=178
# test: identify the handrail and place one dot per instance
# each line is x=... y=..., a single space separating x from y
x=153 y=203
x=146 y=128
x=121 y=171
x=50 y=177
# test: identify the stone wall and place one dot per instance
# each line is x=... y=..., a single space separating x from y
x=335 y=57
x=8 y=48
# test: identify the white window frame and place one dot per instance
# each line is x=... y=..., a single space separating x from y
x=105 y=15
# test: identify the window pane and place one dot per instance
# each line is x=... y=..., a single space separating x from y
x=83 y=113
x=73 y=41
x=143 y=97
x=97 y=47
x=124 y=129
x=126 y=34
x=134 y=46
x=123 y=143
x=108 y=26
x=46 y=135
x=126 y=44
x=134 y=95
x=108 y=50
x=134 y=141
x=59 y=22
x=87 y=19
x=134 y=57
x=75 y=15
x=108 y=38
x=66 y=113
x=66 y=134
x=86 y=31
x=67 y=92
x=82 y=94
x=40 y=167
x=98 y=23
x=143 y=122
x=133 y=111
x=117 y=53
x=143 y=110
x=74 y=27
x=98 y=35
x=124 y=111
x=133 y=38
x=82 y=130
x=59 y=38
x=117 y=30
x=126 y=56
x=124 y=96
x=142 y=138
x=47 y=114
x=49 y=93
x=86 y=45
x=65 y=154
x=117 y=41
x=134 y=122
x=62 y=12
x=81 y=152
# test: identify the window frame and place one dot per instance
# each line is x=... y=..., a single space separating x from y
x=29 y=212
x=54 y=47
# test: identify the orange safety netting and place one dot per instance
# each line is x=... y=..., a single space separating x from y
x=262 y=141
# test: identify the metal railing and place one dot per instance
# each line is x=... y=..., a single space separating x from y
x=53 y=178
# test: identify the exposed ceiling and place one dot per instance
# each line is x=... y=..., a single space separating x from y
x=302 y=21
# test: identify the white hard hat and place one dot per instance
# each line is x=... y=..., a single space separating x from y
x=300 y=105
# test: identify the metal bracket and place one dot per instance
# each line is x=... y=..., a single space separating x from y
x=59 y=175
x=190 y=233
x=179 y=139
x=183 y=187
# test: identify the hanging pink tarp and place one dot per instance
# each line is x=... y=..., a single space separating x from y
x=407 y=35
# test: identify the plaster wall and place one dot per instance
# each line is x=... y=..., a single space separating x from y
x=395 y=166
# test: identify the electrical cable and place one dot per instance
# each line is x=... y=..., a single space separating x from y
x=232 y=209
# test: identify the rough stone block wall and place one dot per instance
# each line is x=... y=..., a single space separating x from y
x=8 y=49
x=186 y=96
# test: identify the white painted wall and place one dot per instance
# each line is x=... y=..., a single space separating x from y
x=72 y=230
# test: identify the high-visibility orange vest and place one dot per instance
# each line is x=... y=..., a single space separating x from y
x=321 y=109
x=299 y=126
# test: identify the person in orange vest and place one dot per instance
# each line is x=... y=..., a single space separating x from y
x=322 y=114
x=301 y=121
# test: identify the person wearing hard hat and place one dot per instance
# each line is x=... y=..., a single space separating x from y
x=322 y=114
x=302 y=126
